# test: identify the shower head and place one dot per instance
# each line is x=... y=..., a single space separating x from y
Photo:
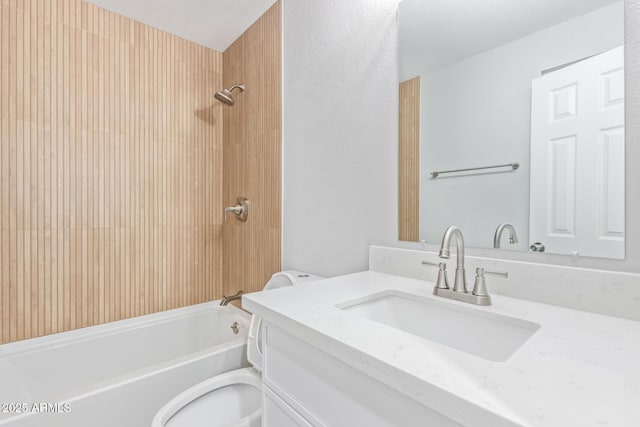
x=225 y=96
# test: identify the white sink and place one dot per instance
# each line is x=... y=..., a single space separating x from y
x=475 y=331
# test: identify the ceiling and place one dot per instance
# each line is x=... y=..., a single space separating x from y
x=437 y=33
x=212 y=23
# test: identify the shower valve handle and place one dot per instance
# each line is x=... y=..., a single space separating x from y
x=241 y=209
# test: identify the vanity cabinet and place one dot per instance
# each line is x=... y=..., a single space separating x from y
x=326 y=364
x=305 y=386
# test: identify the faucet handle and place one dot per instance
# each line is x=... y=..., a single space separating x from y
x=434 y=264
x=240 y=209
x=480 y=284
x=442 y=282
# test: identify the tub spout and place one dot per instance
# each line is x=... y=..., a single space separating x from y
x=227 y=300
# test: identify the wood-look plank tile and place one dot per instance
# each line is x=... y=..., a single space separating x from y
x=409 y=159
x=112 y=176
x=252 y=144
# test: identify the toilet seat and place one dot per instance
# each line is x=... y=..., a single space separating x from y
x=230 y=399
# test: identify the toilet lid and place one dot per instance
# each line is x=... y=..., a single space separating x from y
x=278 y=280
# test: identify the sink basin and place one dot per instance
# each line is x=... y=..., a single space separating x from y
x=474 y=331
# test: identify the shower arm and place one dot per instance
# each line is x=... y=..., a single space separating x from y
x=238 y=86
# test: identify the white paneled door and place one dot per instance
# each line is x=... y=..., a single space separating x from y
x=577 y=158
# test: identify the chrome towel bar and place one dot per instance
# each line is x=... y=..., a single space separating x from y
x=513 y=166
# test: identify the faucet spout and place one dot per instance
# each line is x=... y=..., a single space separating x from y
x=513 y=237
x=226 y=300
x=460 y=282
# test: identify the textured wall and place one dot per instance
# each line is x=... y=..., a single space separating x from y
x=252 y=155
x=340 y=132
x=110 y=169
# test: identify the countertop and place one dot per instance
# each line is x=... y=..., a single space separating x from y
x=578 y=369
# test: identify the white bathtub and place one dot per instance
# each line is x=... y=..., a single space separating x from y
x=121 y=373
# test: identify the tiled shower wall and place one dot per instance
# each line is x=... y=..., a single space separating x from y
x=252 y=155
x=110 y=168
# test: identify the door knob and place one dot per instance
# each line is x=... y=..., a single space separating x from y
x=536 y=247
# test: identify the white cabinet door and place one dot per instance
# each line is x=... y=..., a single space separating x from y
x=276 y=413
x=577 y=158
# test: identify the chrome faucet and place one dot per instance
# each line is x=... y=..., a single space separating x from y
x=227 y=300
x=513 y=238
x=479 y=295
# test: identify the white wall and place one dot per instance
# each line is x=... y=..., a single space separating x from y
x=340 y=114
x=478 y=112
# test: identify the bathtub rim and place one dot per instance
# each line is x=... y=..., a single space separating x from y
x=109 y=328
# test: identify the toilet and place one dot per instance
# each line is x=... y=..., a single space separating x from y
x=232 y=399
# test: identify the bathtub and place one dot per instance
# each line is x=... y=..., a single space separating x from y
x=120 y=373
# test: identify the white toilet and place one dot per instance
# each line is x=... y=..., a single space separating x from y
x=232 y=399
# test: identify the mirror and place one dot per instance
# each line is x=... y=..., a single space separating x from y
x=512 y=124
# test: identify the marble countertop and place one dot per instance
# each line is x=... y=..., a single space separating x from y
x=578 y=369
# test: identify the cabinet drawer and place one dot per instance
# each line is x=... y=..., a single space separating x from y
x=322 y=388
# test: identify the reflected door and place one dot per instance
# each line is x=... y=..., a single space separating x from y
x=577 y=158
